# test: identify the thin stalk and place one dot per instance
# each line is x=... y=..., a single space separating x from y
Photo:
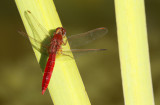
x=134 y=53
x=66 y=86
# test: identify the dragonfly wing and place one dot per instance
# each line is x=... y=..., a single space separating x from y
x=78 y=52
x=35 y=25
x=37 y=45
x=87 y=37
x=40 y=38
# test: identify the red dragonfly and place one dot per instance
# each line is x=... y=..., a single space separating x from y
x=56 y=42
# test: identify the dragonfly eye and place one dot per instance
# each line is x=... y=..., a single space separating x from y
x=61 y=30
x=64 y=32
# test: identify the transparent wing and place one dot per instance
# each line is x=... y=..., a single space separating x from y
x=35 y=25
x=37 y=45
x=83 y=50
x=78 y=52
x=40 y=38
x=87 y=37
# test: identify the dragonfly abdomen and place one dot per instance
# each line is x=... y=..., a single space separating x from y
x=48 y=72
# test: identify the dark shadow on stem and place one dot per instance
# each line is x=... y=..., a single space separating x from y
x=44 y=56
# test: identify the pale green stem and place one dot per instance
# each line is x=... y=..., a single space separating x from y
x=134 y=53
x=66 y=86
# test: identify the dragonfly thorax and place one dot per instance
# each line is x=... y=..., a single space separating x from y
x=55 y=43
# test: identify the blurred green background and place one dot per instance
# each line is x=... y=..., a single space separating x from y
x=21 y=76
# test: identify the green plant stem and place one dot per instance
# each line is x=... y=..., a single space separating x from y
x=134 y=53
x=66 y=86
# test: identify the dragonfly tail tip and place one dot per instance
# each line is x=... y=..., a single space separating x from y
x=43 y=91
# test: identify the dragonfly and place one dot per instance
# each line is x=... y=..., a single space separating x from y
x=56 y=42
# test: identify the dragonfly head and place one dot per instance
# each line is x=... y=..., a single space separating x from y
x=61 y=31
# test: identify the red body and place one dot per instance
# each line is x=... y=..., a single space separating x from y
x=55 y=46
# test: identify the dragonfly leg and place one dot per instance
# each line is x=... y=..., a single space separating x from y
x=64 y=43
x=67 y=55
